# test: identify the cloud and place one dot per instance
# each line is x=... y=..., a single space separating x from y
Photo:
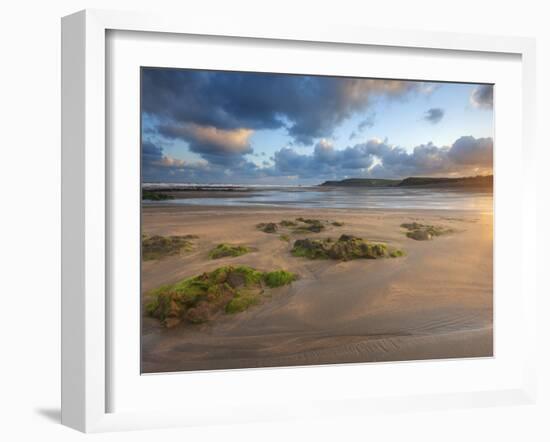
x=150 y=153
x=472 y=151
x=153 y=155
x=378 y=158
x=157 y=166
x=168 y=161
x=215 y=115
x=427 y=88
x=434 y=115
x=366 y=123
x=217 y=145
x=308 y=107
x=375 y=158
x=482 y=96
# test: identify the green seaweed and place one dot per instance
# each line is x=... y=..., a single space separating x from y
x=300 y=225
x=223 y=250
x=309 y=226
x=347 y=247
x=288 y=223
x=198 y=299
x=267 y=227
x=242 y=301
x=156 y=246
x=424 y=232
x=397 y=253
x=278 y=278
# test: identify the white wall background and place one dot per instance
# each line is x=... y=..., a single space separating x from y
x=30 y=215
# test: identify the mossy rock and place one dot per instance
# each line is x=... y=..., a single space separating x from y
x=309 y=225
x=199 y=314
x=223 y=250
x=347 y=247
x=424 y=232
x=229 y=289
x=243 y=300
x=311 y=228
x=396 y=253
x=419 y=235
x=157 y=246
x=300 y=225
x=267 y=227
x=288 y=223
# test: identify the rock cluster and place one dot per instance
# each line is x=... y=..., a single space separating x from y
x=424 y=232
x=200 y=298
x=347 y=247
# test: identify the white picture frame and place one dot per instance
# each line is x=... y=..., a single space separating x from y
x=85 y=209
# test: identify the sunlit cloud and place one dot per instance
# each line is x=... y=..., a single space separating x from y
x=168 y=161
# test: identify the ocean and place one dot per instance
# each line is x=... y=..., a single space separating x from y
x=331 y=197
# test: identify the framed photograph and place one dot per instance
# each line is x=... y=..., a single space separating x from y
x=276 y=223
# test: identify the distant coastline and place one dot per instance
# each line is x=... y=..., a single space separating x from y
x=480 y=181
x=484 y=182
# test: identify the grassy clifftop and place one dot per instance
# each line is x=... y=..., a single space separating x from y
x=485 y=182
x=473 y=181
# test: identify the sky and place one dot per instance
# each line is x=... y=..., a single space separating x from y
x=201 y=126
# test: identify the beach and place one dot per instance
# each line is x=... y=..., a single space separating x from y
x=434 y=302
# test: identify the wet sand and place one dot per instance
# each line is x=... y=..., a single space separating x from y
x=436 y=302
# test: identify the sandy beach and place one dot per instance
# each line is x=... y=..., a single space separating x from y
x=435 y=302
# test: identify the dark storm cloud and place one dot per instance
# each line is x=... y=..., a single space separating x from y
x=377 y=158
x=482 y=96
x=434 y=115
x=308 y=107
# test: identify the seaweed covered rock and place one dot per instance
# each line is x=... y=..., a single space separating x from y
x=347 y=247
x=310 y=225
x=298 y=226
x=223 y=250
x=267 y=227
x=420 y=235
x=200 y=298
x=424 y=232
x=288 y=223
x=311 y=248
x=157 y=247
